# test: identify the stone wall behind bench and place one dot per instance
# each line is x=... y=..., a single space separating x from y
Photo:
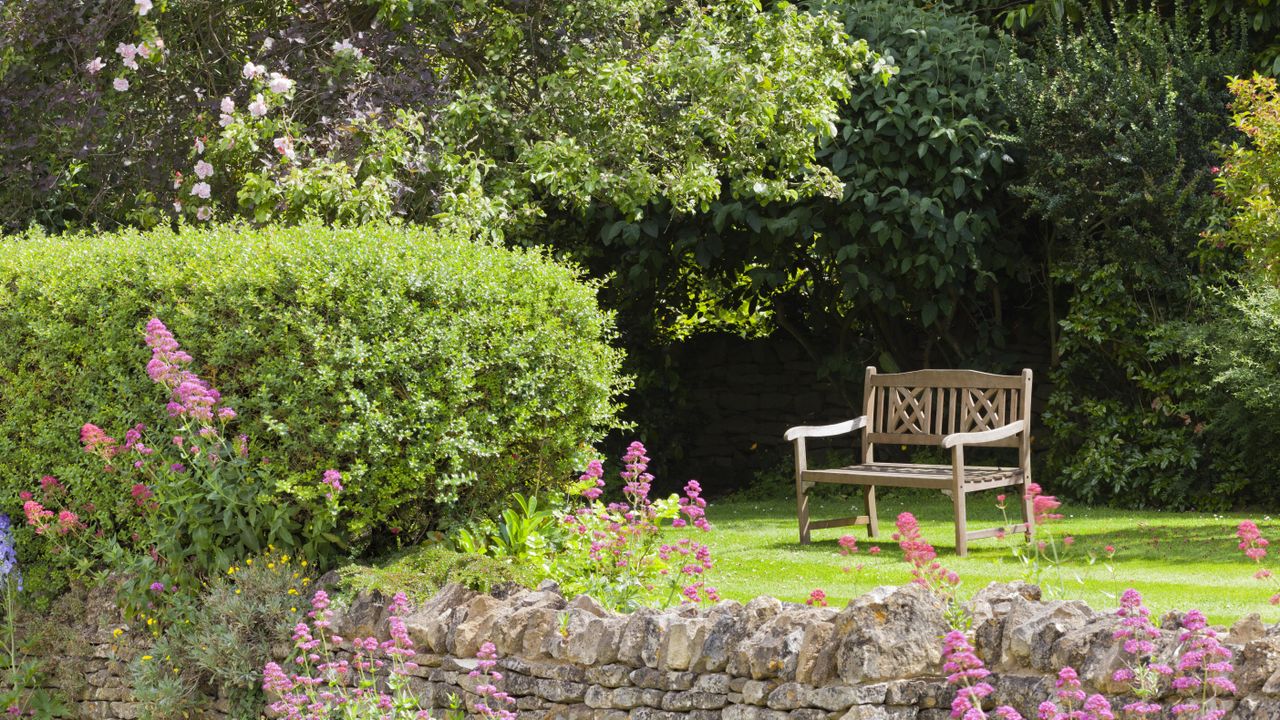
x=876 y=659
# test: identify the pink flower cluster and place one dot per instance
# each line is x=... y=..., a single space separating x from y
x=1072 y=702
x=1203 y=665
x=638 y=481
x=925 y=569
x=1042 y=506
x=594 y=479
x=966 y=671
x=622 y=542
x=492 y=700
x=191 y=397
x=1255 y=547
x=325 y=680
x=817 y=598
x=43 y=520
x=333 y=479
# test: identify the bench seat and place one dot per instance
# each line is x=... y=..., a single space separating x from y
x=938 y=477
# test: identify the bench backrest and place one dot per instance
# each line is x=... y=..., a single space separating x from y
x=923 y=406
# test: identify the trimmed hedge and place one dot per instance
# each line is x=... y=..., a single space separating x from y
x=438 y=374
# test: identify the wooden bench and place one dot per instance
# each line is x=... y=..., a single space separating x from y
x=951 y=409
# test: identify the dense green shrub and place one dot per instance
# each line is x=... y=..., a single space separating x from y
x=438 y=374
x=1118 y=123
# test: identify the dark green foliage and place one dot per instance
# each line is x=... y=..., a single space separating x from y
x=437 y=374
x=910 y=241
x=1119 y=124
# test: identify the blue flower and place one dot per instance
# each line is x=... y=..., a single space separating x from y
x=8 y=555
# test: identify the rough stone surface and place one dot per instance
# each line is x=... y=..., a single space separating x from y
x=876 y=659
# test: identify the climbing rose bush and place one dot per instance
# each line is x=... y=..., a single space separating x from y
x=618 y=552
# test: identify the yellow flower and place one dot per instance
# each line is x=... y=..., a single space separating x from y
x=248 y=561
x=284 y=559
x=146 y=658
x=293 y=591
x=293 y=609
x=237 y=591
x=231 y=570
x=271 y=566
x=151 y=621
x=303 y=563
x=117 y=632
x=306 y=580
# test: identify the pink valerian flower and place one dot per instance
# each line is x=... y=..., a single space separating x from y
x=965 y=670
x=141 y=494
x=1136 y=628
x=1042 y=506
x=925 y=570
x=97 y=442
x=94 y=66
x=693 y=506
x=68 y=522
x=817 y=598
x=1072 y=702
x=333 y=479
x=1252 y=543
x=37 y=516
x=492 y=702
x=1203 y=669
x=593 y=478
x=190 y=396
x=848 y=544
x=638 y=482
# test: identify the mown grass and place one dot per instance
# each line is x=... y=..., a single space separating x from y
x=1178 y=561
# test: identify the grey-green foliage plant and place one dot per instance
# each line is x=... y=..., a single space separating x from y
x=439 y=374
x=1118 y=122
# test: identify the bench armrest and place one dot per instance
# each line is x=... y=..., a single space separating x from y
x=808 y=431
x=977 y=438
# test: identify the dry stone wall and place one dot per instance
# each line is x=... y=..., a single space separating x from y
x=876 y=659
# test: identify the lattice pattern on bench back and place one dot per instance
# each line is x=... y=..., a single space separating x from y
x=922 y=407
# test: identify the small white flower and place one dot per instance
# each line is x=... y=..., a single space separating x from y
x=228 y=105
x=94 y=66
x=204 y=213
x=120 y=84
x=200 y=190
x=199 y=146
x=177 y=179
x=203 y=169
x=177 y=206
x=251 y=71
x=130 y=63
x=279 y=84
x=143 y=6
x=126 y=50
x=144 y=50
x=159 y=43
x=284 y=146
x=258 y=107
x=225 y=120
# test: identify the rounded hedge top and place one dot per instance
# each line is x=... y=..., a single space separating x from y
x=438 y=373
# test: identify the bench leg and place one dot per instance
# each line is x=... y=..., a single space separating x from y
x=869 y=499
x=1028 y=512
x=962 y=532
x=802 y=511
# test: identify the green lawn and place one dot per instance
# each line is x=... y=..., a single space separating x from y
x=1177 y=560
